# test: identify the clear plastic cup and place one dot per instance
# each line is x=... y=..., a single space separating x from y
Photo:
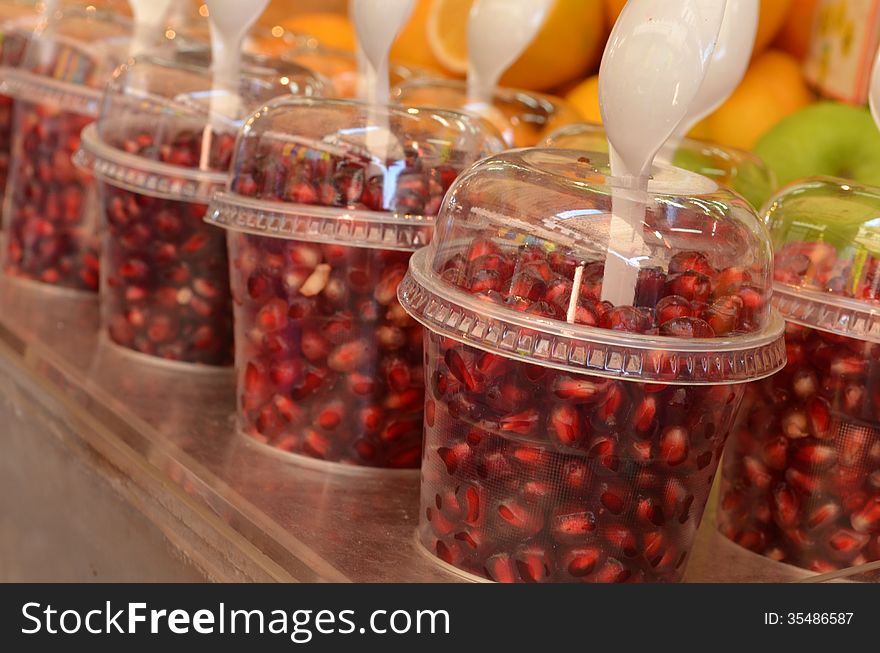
x=17 y=21
x=568 y=439
x=328 y=201
x=340 y=69
x=524 y=118
x=159 y=154
x=801 y=475
x=739 y=170
x=49 y=213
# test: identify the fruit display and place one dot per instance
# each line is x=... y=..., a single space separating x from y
x=568 y=438
x=741 y=171
x=523 y=118
x=801 y=478
x=50 y=214
x=166 y=280
x=328 y=201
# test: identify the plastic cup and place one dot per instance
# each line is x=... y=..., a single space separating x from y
x=17 y=20
x=739 y=170
x=49 y=213
x=567 y=439
x=524 y=118
x=801 y=477
x=165 y=271
x=328 y=201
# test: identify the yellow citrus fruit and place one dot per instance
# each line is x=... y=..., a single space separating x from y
x=772 y=88
x=797 y=29
x=411 y=46
x=773 y=15
x=332 y=30
x=567 y=46
x=585 y=98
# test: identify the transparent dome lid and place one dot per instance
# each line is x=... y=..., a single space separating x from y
x=524 y=118
x=739 y=170
x=348 y=172
x=826 y=236
x=340 y=70
x=72 y=54
x=540 y=255
x=166 y=130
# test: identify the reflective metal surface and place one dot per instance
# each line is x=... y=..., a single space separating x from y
x=163 y=438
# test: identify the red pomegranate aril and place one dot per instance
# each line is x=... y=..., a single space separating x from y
x=674 y=446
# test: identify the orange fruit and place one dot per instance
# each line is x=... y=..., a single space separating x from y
x=332 y=30
x=567 y=46
x=773 y=15
x=797 y=30
x=585 y=98
x=411 y=46
x=772 y=88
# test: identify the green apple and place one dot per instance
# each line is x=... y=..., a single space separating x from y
x=825 y=139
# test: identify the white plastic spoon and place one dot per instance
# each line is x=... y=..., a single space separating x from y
x=654 y=63
x=149 y=24
x=728 y=63
x=230 y=21
x=499 y=31
x=377 y=23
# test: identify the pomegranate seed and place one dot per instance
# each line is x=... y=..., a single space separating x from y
x=674 y=446
x=867 y=520
x=581 y=561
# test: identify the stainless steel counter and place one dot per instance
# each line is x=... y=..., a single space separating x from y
x=117 y=468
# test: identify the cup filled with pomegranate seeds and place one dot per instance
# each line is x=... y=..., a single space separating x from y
x=159 y=154
x=17 y=21
x=49 y=213
x=524 y=118
x=801 y=475
x=328 y=201
x=739 y=170
x=570 y=437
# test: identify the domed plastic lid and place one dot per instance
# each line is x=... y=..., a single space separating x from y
x=517 y=267
x=71 y=56
x=340 y=70
x=340 y=171
x=524 y=118
x=152 y=136
x=826 y=235
x=739 y=170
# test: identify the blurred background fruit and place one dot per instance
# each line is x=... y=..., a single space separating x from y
x=794 y=37
x=773 y=14
x=585 y=98
x=568 y=46
x=827 y=138
x=772 y=88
